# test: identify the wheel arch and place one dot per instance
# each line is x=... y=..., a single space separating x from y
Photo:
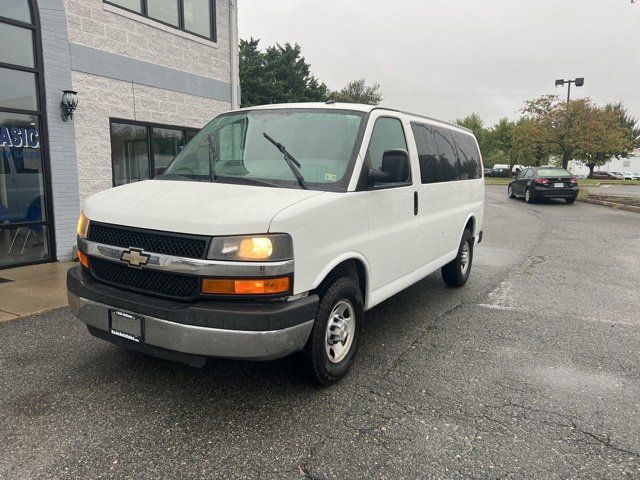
x=352 y=264
x=470 y=224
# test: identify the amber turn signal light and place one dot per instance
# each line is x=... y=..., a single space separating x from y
x=224 y=286
x=84 y=260
x=83 y=226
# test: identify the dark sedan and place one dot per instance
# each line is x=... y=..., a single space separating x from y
x=535 y=183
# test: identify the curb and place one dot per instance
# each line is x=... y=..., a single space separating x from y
x=618 y=206
x=17 y=317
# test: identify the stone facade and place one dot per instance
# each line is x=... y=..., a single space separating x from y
x=93 y=24
x=106 y=98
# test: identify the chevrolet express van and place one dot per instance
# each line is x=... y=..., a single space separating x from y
x=274 y=230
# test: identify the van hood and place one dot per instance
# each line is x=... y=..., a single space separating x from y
x=193 y=207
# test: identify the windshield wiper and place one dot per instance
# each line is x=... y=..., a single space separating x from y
x=212 y=160
x=294 y=165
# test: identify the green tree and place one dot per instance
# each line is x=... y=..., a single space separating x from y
x=357 y=91
x=474 y=123
x=560 y=123
x=530 y=143
x=602 y=135
x=280 y=74
x=500 y=140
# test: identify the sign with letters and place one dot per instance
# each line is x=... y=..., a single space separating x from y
x=19 y=137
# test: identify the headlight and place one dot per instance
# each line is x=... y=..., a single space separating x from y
x=252 y=248
x=83 y=226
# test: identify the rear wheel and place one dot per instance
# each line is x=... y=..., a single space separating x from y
x=456 y=273
x=510 y=192
x=570 y=200
x=528 y=195
x=332 y=347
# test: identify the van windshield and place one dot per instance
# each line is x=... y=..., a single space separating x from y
x=233 y=148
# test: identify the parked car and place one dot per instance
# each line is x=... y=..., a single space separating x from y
x=274 y=230
x=636 y=176
x=500 y=171
x=503 y=170
x=544 y=182
x=603 y=176
x=618 y=175
x=629 y=176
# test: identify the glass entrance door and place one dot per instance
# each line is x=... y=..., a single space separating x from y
x=24 y=212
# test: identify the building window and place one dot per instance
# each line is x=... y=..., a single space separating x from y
x=140 y=151
x=25 y=202
x=194 y=16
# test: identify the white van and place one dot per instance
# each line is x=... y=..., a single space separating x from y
x=274 y=230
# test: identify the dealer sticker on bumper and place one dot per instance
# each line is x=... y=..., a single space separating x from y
x=126 y=325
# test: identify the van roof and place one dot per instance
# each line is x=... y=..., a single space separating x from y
x=358 y=107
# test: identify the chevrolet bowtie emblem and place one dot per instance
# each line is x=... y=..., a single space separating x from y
x=135 y=257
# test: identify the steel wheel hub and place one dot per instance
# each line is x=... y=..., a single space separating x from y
x=340 y=331
x=464 y=258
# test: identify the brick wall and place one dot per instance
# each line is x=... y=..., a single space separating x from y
x=105 y=98
x=91 y=25
x=61 y=135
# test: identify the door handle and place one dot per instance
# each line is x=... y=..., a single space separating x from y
x=415 y=203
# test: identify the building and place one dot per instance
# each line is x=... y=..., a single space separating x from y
x=148 y=74
x=622 y=165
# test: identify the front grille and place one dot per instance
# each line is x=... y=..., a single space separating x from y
x=181 y=287
x=148 y=240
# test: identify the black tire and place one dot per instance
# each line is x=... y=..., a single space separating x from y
x=529 y=195
x=453 y=273
x=510 y=192
x=322 y=369
x=570 y=200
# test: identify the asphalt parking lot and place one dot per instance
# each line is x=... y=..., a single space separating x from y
x=530 y=371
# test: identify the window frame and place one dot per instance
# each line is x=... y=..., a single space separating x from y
x=48 y=225
x=149 y=126
x=367 y=161
x=181 y=23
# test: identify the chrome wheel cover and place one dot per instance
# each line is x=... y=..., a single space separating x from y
x=464 y=258
x=340 y=331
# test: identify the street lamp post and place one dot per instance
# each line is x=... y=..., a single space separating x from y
x=578 y=81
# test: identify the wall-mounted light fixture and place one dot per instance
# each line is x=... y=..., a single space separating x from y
x=69 y=104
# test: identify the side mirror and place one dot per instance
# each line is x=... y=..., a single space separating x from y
x=395 y=168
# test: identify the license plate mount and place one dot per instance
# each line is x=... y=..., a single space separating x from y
x=126 y=325
x=558 y=185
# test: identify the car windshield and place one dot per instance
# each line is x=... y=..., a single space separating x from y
x=553 y=172
x=233 y=148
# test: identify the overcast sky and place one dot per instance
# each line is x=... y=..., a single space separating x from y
x=448 y=58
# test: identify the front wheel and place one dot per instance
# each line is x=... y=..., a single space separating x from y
x=456 y=273
x=332 y=346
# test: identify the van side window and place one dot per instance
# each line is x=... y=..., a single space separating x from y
x=447 y=160
x=468 y=155
x=427 y=152
x=388 y=134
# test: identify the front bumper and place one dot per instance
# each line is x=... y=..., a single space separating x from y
x=237 y=330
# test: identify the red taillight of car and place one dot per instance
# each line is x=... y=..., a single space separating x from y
x=542 y=181
x=573 y=180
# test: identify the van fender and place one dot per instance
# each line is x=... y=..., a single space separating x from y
x=341 y=259
x=471 y=216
